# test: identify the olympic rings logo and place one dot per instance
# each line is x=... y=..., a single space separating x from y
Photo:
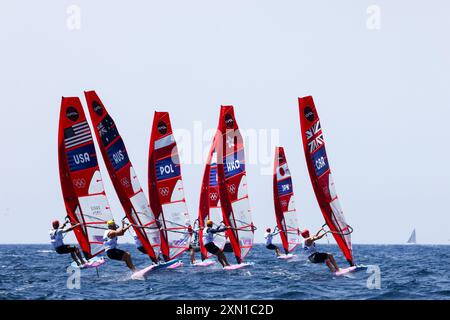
x=213 y=196
x=79 y=183
x=164 y=191
x=125 y=182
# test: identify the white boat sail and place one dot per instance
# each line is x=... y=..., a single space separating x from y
x=412 y=237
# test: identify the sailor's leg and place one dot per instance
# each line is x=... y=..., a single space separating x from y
x=192 y=253
x=80 y=257
x=330 y=265
x=219 y=258
x=277 y=250
x=127 y=259
x=74 y=258
x=330 y=256
x=224 y=259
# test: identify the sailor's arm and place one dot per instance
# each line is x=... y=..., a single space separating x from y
x=119 y=232
x=219 y=229
x=320 y=236
x=71 y=228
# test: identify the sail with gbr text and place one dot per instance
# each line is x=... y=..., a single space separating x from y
x=321 y=178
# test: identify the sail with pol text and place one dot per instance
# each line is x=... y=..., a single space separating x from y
x=210 y=207
x=321 y=178
x=283 y=195
x=123 y=176
x=233 y=184
x=81 y=181
x=165 y=187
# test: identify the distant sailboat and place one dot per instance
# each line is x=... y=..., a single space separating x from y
x=412 y=237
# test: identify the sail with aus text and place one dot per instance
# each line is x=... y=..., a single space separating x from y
x=124 y=178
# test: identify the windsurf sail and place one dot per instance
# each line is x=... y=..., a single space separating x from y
x=233 y=184
x=283 y=196
x=321 y=178
x=123 y=176
x=412 y=237
x=210 y=207
x=81 y=181
x=166 y=190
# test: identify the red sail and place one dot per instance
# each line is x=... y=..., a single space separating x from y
x=210 y=207
x=123 y=176
x=81 y=181
x=321 y=178
x=233 y=184
x=283 y=196
x=166 y=190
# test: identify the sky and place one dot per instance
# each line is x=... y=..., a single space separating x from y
x=379 y=72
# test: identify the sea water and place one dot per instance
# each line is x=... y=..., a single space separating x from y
x=394 y=272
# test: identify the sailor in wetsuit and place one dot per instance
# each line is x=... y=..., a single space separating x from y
x=56 y=238
x=110 y=244
x=269 y=238
x=208 y=242
x=314 y=256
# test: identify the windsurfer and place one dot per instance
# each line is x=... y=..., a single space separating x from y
x=56 y=238
x=269 y=238
x=208 y=242
x=110 y=243
x=314 y=255
x=193 y=233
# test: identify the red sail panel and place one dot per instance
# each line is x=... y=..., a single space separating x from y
x=210 y=207
x=81 y=181
x=321 y=178
x=233 y=184
x=123 y=176
x=166 y=189
x=284 y=201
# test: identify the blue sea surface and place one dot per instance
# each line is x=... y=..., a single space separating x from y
x=405 y=272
